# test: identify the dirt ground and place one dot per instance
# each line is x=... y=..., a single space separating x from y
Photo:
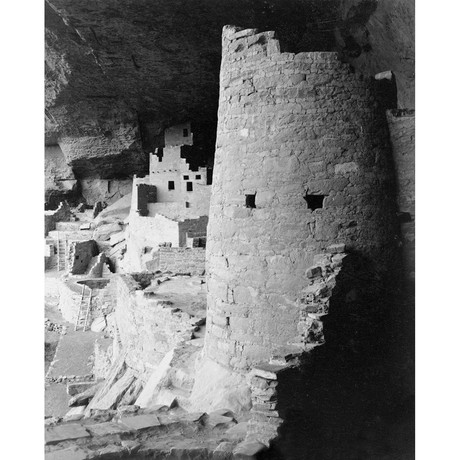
x=64 y=355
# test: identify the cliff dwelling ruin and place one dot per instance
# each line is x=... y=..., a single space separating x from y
x=229 y=274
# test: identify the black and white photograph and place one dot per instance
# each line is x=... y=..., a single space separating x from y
x=229 y=202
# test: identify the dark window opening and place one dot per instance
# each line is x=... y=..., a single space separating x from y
x=250 y=201
x=186 y=178
x=198 y=176
x=189 y=186
x=171 y=185
x=227 y=321
x=185 y=132
x=187 y=204
x=159 y=154
x=314 y=201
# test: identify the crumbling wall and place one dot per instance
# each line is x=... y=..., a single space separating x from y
x=307 y=146
x=401 y=124
x=179 y=260
x=198 y=226
x=80 y=255
x=62 y=213
x=148 y=327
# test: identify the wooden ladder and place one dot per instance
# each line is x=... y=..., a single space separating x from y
x=61 y=253
x=84 y=309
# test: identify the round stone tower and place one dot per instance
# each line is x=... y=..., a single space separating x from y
x=301 y=163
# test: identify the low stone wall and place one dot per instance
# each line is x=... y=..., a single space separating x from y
x=62 y=213
x=179 y=260
x=69 y=300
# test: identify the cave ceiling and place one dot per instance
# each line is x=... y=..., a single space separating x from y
x=118 y=73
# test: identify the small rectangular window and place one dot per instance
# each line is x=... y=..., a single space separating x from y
x=185 y=132
x=250 y=201
x=314 y=201
x=189 y=186
x=171 y=185
x=198 y=176
x=186 y=178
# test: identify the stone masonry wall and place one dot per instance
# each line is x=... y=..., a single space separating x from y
x=148 y=327
x=401 y=124
x=180 y=260
x=62 y=213
x=191 y=226
x=307 y=138
x=80 y=254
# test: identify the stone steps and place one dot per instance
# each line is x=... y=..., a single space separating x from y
x=133 y=433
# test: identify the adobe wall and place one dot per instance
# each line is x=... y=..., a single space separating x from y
x=401 y=124
x=191 y=206
x=171 y=167
x=288 y=126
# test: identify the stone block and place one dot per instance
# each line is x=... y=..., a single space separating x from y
x=336 y=248
x=114 y=393
x=267 y=371
x=223 y=451
x=237 y=432
x=248 y=449
x=83 y=398
x=107 y=428
x=219 y=421
x=313 y=272
x=111 y=451
x=243 y=33
x=72 y=453
x=140 y=422
x=75 y=414
x=58 y=433
x=74 y=388
x=297 y=78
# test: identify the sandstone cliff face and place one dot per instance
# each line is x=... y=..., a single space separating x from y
x=119 y=73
